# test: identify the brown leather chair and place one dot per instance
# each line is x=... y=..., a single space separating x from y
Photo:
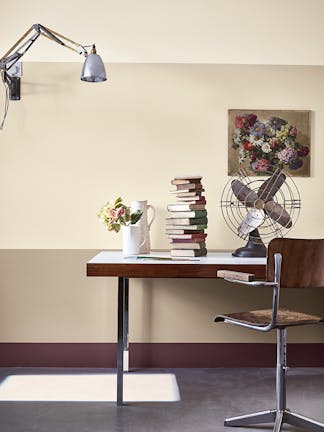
x=291 y=263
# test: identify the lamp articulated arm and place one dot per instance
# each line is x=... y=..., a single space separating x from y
x=93 y=68
x=23 y=44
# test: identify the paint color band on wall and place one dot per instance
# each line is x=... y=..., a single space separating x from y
x=158 y=355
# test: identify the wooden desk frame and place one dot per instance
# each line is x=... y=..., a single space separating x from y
x=112 y=264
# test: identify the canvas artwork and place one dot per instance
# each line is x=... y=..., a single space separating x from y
x=263 y=140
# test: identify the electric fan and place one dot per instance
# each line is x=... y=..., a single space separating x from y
x=260 y=209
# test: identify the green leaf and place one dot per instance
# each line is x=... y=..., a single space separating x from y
x=118 y=202
x=135 y=217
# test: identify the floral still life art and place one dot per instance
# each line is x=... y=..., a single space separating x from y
x=115 y=214
x=263 y=140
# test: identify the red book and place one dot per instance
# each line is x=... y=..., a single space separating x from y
x=193 y=240
x=192 y=236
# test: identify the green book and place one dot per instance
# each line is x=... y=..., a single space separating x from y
x=187 y=221
x=188 y=214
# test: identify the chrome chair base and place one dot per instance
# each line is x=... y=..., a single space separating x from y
x=281 y=414
x=278 y=417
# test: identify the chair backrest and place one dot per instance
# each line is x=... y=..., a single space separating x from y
x=302 y=262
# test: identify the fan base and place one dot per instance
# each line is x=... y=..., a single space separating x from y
x=252 y=249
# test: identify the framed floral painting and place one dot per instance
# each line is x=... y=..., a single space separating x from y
x=262 y=140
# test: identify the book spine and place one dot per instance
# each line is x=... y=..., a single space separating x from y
x=192 y=237
x=188 y=221
x=191 y=228
x=185 y=207
x=181 y=231
x=190 y=186
x=191 y=200
x=188 y=252
x=188 y=214
x=189 y=246
x=186 y=192
x=178 y=181
x=184 y=240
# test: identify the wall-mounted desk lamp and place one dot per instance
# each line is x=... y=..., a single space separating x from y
x=93 y=68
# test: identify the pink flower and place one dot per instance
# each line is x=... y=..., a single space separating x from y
x=261 y=165
x=287 y=154
x=120 y=212
x=293 y=132
x=239 y=122
x=115 y=214
x=112 y=215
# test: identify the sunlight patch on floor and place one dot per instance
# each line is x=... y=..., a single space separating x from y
x=89 y=388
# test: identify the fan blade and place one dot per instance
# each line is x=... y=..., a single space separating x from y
x=278 y=214
x=251 y=221
x=244 y=194
x=271 y=186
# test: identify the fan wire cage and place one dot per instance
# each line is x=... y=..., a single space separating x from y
x=237 y=212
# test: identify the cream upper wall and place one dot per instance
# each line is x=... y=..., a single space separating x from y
x=68 y=146
x=189 y=31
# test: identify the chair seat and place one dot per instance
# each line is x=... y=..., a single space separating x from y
x=285 y=318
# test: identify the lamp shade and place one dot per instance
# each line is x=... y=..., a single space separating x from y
x=93 y=68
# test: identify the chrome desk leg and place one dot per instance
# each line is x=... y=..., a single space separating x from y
x=122 y=289
x=125 y=333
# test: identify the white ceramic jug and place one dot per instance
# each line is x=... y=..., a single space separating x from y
x=143 y=223
x=132 y=240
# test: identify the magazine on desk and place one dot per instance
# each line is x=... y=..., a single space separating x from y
x=163 y=258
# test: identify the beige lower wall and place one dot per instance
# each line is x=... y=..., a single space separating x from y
x=69 y=146
x=46 y=297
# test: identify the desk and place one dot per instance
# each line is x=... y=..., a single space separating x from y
x=112 y=264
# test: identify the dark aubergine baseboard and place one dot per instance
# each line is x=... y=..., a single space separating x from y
x=158 y=355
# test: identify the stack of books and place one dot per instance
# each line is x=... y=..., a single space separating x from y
x=187 y=219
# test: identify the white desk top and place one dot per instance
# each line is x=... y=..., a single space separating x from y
x=116 y=257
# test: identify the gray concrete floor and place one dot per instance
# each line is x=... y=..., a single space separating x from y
x=207 y=396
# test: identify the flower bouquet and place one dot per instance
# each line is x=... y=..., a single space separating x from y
x=269 y=144
x=115 y=214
